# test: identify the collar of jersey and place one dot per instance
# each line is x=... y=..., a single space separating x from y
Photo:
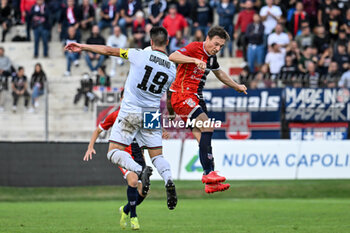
x=205 y=50
x=160 y=51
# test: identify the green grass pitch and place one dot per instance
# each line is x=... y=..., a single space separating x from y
x=249 y=206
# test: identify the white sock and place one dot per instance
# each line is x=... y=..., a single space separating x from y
x=124 y=160
x=163 y=167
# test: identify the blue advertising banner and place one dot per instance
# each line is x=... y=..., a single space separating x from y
x=317 y=104
x=252 y=116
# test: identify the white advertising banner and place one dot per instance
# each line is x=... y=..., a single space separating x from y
x=324 y=160
x=172 y=153
x=271 y=159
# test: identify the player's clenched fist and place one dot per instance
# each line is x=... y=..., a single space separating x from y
x=73 y=47
x=242 y=88
x=200 y=64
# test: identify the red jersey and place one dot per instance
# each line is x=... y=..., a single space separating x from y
x=189 y=78
x=172 y=25
x=108 y=123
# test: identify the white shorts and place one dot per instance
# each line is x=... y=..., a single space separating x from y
x=128 y=126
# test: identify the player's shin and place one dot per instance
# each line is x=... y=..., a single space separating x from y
x=124 y=160
x=163 y=167
x=205 y=152
x=132 y=200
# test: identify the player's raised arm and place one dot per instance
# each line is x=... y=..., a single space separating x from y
x=179 y=58
x=100 y=49
x=91 y=150
x=224 y=78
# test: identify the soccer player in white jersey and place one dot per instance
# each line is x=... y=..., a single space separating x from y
x=150 y=75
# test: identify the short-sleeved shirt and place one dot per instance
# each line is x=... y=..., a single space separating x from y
x=189 y=78
x=150 y=76
x=270 y=22
x=172 y=25
x=19 y=82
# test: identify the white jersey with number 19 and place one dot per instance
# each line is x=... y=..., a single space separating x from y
x=151 y=74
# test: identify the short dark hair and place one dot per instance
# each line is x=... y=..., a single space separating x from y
x=159 y=36
x=218 y=31
x=20 y=68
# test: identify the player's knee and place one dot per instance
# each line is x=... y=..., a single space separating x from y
x=132 y=179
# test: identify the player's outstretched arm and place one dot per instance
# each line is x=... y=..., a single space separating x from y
x=91 y=150
x=181 y=59
x=100 y=49
x=224 y=78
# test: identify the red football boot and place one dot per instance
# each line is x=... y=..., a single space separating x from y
x=218 y=187
x=212 y=178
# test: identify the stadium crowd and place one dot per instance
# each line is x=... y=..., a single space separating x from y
x=283 y=42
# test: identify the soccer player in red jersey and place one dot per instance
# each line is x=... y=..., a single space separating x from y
x=195 y=61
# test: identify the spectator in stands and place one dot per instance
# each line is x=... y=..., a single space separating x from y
x=226 y=11
x=346 y=23
x=156 y=10
x=5 y=18
x=275 y=59
x=270 y=15
x=198 y=36
x=305 y=58
x=26 y=7
x=321 y=40
x=71 y=57
x=325 y=61
x=184 y=8
x=55 y=9
x=5 y=64
x=245 y=17
x=127 y=12
x=294 y=51
x=263 y=78
x=20 y=88
x=178 y=42
x=288 y=70
x=174 y=22
x=37 y=84
x=311 y=7
x=87 y=12
x=278 y=37
x=324 y=10
x=332 y=77
x=306 y=37
x=86 y=85
x=5 y=72
x=117 y=40
x=342 y=58
x=109 y=15
x=333 y=23
x=147 y=39
x=255 y=40
x=312 y=76
x=95 y=38
x=139 y=30
x=41 y=26
x=298 y=17
x=70 y=17
x=342 y=39
x=344 y=81
x=102 y=79
x=202 y=16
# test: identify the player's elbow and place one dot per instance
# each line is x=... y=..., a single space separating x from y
x=172 y=57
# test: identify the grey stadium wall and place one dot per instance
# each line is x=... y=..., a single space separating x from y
x=34 y=164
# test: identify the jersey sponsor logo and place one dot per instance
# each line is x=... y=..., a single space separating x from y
x=151 y=119
x=190 y=102
x=183 y=50
x=124 y=53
